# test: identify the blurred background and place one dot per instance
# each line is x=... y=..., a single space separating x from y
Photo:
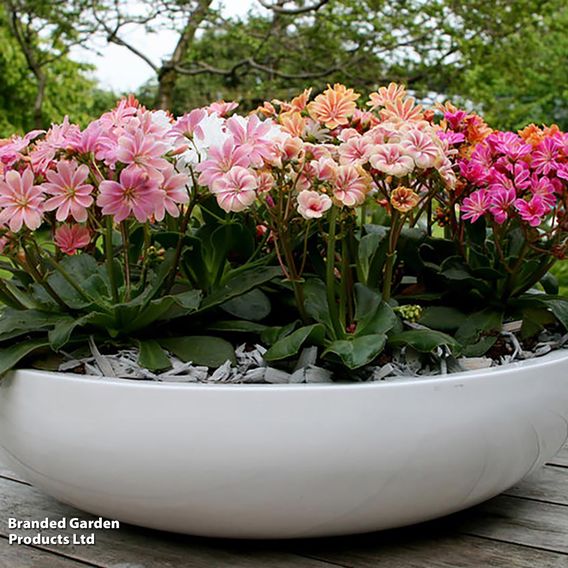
x=507 y=60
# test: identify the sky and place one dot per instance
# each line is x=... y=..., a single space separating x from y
x=120 y=70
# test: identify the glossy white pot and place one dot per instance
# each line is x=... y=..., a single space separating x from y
x=258 y=461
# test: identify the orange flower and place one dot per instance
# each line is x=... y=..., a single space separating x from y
x=267 y=109
x=334 y=106
x=293 y=123
x=299 y=103
x=402 y=109
x=534 y=135
x=386 y=94
x=403 y=199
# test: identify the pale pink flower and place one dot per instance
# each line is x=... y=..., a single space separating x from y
x=175 y=193
x=221 y=160
x=325 y=169
x=235 y=190
x=355 y=151
x=21 y=201
x=253 y=135
x=186 y=125
x=532 y=211
x=222 y=108
x=476 y=205
x=420 y=146
x=70 y=238
x=141 y=149
x=312 y=205
x=391 y=159
x=135 y=193
x=71 y=195
x=350 y=188
x=265 y=182
x=58 y=137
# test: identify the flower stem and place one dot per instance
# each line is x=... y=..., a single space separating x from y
x=391 y=256
x=126 y=252
x=330 y=273
x=110 y=259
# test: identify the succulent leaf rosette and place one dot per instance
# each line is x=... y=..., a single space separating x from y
x=325 y=221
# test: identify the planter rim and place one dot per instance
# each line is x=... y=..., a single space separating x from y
x=448 y=379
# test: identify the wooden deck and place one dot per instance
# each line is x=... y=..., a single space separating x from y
x=527 y=527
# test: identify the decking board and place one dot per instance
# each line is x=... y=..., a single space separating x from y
x=526 y=527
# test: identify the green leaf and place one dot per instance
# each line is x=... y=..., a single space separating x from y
x=254 y=305
x=359 y=351
x=200 y=349
x=11 y=356
x=61 y=333
x=290 y=344
x=14 y=323
x=485 y=322
x=152 y=356
x=315 y=303
x=534 y=320
x=371 y=255
x=239 y=284
x=238 y=326
x=272 y=334
x=424 y=340
x=442 y=318
x=373 y=316
x=550 y=283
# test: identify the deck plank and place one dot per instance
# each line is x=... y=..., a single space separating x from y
x=520 y=521
x=139 y=547
x=422 y=547
x=549 y=484
x=13 y=556
x=561 y=458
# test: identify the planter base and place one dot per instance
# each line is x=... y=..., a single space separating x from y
x=266 y=461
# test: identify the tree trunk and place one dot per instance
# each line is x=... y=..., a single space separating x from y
x=167 y=76
x=38 y=102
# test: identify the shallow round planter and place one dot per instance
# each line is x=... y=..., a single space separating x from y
x=266 y=461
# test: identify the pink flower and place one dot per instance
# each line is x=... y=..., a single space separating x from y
x=312 y=205
x=136 y=193
x=21 y=201
x=532 y=211
x=253 y=135
x=71 y=238
x=221 y=160
x=391 y=159
x=235 y=190
x=501 y=200
x=476 y=205
x=71 y=196
x=545 y=156
x=325 y=169
x=420 y=146
x=187 y=124
x=355 y=151
x=510 y=144
x=58 y=137
x=141 y=149
x=544 y=188
x=222 y=108
x=350 y=188
x=174 y=186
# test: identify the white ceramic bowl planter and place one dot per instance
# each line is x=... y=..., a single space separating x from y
x=283 y=461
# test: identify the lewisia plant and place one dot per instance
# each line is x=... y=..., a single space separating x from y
x=331 y=221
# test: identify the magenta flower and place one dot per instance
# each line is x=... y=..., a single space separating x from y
x=21 y=201
x=221 y=160
x=174 y=187
x=532 y=211
x=510 y=144
x=71 y=195
x=141 y=149
x=476 y=205
x=502 y=198
x=544 y=188
x=235 y=190
x=135 y=193
x=545 y=156
x=70 y=238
